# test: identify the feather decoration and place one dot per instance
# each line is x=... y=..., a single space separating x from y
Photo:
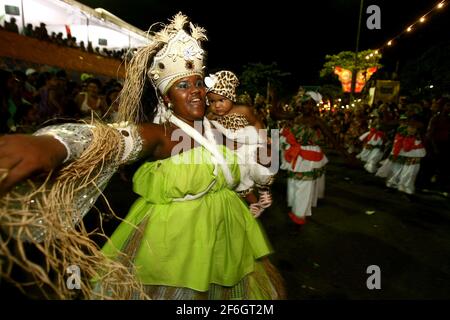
x=178 y=21
x=198 y=33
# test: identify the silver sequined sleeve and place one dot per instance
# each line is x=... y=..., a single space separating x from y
x=76 y=138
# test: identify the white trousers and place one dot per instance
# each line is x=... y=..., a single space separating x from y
x=303 y=194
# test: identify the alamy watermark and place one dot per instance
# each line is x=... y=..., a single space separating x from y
x=374 y=280
x=374 y=20
x=252 y=147
x=74 y=280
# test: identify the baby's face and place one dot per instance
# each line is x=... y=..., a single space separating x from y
x=219 y=104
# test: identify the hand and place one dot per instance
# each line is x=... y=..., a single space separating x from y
x=265 y=199
x=23 y=155
x=256 y=209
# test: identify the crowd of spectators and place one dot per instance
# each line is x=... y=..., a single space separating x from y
x=30 y=99
x=347 y=124
x=40 y=32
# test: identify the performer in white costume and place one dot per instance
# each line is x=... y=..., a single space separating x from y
x=402 y=166
x=304 y=160
x=373 y=148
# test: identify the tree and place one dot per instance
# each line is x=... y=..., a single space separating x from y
x=432 y=68
x=258 y=77
x=353 y=70
x=330 y=91
x=346 y=60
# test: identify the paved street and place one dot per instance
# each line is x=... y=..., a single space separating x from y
x=328 y=257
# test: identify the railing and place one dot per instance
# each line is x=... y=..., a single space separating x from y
x=24 y=48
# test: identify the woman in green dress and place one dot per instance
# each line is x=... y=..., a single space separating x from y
x=188 y=236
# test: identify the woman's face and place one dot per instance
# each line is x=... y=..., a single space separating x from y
x=188 y=96
x=219 y=104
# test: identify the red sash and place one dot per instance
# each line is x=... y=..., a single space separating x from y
x=405 y=143
x=291 y=155
x=374 y=133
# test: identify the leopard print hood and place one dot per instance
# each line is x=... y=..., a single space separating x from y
x=223 y=83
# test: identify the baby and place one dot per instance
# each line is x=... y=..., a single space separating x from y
x=240 y=124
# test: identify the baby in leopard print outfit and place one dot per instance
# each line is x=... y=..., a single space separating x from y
x=239 y=123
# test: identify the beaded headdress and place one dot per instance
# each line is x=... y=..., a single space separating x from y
x=180 y=57
x=176 y=54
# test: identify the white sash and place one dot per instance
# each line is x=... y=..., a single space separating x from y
x=209 y=143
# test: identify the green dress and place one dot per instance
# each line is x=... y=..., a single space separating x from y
x=205 y=245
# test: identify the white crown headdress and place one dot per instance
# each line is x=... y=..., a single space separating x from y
x=182 y=56
x=176 y=54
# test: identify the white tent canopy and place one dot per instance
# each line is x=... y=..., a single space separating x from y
x=98 y=26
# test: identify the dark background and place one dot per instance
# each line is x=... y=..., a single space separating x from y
x=295 y=34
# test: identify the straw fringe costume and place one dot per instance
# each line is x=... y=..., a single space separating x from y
x=48 y=214
x=188 y=236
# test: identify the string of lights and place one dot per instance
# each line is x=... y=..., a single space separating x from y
x=423 y=18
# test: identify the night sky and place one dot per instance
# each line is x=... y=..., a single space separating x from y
x=295 y=34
